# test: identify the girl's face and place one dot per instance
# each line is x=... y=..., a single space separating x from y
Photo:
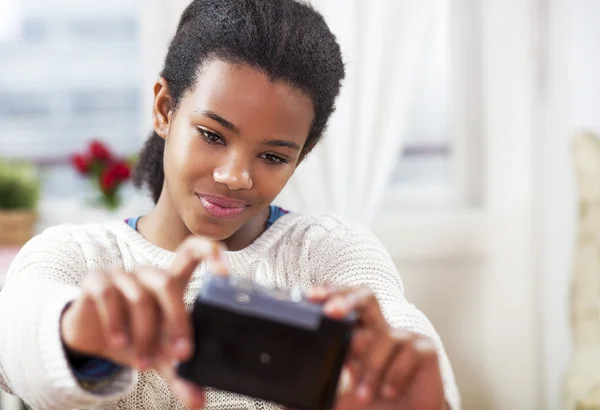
x=231 y=145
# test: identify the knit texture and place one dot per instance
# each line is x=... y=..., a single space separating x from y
x=296 y=251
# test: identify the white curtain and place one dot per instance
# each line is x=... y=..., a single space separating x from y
x=159 y=19
x=382 y=42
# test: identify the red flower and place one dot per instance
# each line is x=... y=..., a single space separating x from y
x=107 y=171
x=108 y=180
x=121 y=170
x=114 y=174
x=82 y=163
x=99 y=150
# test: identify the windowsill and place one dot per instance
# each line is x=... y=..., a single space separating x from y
x=54 y=212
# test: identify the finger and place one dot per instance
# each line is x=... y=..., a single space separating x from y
x=110 y=308
x=320 y=293
x=190 y=394
x=168 y=291
x=193 y=251
x=374 y=365
x=361 y=300
x=346 y=381
x=80 y=321
x=347 y=384
x=327 y=292
x=143 y=316
x=362 y=340
x=404 y=366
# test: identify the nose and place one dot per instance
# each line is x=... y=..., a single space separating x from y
x=233 y=173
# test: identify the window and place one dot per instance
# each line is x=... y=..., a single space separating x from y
x=427 y=151
x=70 y=71
x=25 y=105
x=107 y=29
x=34 y=30
x=431 y=167
x=117 y=103
x=9 y=15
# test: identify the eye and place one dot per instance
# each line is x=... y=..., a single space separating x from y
x=211 y=137
x=274 y=159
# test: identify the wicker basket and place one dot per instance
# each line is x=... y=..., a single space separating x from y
x=16 y=227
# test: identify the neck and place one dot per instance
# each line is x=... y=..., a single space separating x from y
x=164 y=227
x=248 y=232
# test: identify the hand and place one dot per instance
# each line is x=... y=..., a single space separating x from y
x=138 y=319
x=386 y=368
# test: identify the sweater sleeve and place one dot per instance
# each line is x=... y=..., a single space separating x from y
x=350 y=255
x=44 y=277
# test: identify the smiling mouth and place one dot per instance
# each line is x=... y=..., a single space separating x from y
x=222 y=208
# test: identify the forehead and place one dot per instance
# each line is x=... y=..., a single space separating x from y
x=246 y=97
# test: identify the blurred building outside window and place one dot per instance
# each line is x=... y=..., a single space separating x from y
x=70 y=72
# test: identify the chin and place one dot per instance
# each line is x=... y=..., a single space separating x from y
x=217 y=230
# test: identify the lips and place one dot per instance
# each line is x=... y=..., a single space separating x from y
x=221 y=207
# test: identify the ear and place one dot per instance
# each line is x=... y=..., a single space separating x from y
x=162 y=109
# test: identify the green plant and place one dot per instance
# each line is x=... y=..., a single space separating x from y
x=19 y=185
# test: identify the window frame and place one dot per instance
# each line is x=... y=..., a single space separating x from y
x=497 y=131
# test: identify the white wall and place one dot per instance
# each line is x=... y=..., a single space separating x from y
x=557 y=208
x=573 y=91
x=480 y=302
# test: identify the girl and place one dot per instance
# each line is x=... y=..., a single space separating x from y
x=96 y=315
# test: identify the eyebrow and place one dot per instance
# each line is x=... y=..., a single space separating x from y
x=216 y=117
x=271 y=142
x=282 y=143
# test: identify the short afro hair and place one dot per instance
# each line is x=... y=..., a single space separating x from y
x=286 y=39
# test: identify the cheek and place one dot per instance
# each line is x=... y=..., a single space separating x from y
x=185 y=157
x=270 y=180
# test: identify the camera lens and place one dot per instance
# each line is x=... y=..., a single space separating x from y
x=265 y=358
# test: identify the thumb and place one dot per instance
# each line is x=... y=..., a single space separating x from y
x=195 y=250
x=190 y=394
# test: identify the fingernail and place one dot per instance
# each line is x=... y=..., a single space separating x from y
x=192 y=396
x=222 y=259
x=329 y=308
x=335 y=306
x=389 y=392
x=180 y=389
x=119 y=340
x=217 y=250
x=219 y=267
x=363 y=393
x=424 y=345
x=345 y=381
x=182 y=348
x=144 y=363
x=317 y=293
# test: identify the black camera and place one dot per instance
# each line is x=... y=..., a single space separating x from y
x=266 y=343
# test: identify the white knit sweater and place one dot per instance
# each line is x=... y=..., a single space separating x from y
x=47 y=274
